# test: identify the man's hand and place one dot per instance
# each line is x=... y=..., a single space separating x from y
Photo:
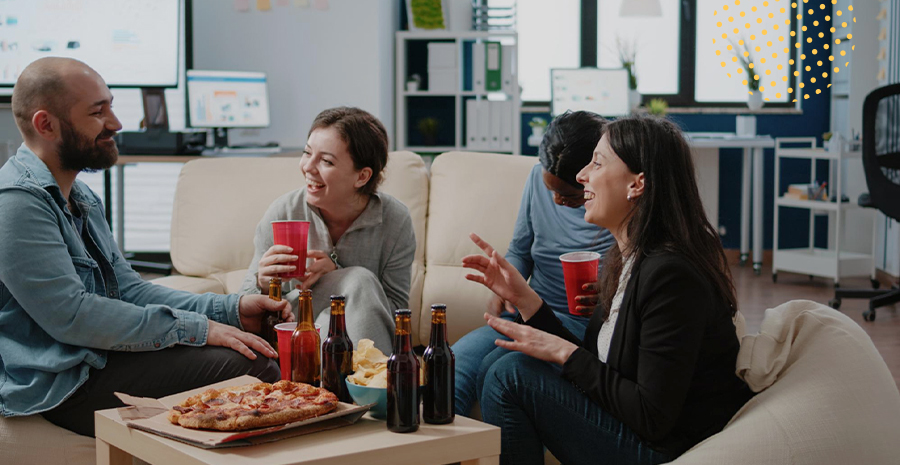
x=224 y=335
x=253 y=307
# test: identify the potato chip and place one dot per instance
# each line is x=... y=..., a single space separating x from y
x=369 y=365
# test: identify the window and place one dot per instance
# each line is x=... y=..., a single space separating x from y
x=676 y=57
x=549 y=37
x=656 y=54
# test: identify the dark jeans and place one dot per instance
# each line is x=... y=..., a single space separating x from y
x=154 y=374
x=535 y=407
x=476 y=352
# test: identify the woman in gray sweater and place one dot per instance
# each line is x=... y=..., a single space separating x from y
x=361 y=241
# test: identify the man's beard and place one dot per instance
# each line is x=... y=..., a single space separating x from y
x=81 y=153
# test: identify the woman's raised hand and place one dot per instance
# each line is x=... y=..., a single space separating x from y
x=317 y=269
x=273 y=263
x=502 y=278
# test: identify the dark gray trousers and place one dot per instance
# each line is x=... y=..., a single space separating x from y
x=154 y=374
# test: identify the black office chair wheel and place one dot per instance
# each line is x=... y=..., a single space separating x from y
x=875 y=283
x=774 y=277
x=835 y=303
x=869 y=315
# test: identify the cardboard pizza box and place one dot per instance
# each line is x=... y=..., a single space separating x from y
x=149 y=415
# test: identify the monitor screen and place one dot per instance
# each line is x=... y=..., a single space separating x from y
x=227 y=99
x=602 y=91
x=131 y=43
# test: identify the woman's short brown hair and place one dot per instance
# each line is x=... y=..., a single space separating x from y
x=366 y=139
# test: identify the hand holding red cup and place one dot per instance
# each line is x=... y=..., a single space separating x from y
x=580 y=271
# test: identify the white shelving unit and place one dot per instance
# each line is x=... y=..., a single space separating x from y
x=833 y=262
x=406 y=99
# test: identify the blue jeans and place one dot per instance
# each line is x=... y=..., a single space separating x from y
x=475 y=353
x=535 y=407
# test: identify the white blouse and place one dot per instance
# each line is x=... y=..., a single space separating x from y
x=606 y=331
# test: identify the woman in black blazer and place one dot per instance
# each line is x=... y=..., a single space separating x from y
x=655 y=373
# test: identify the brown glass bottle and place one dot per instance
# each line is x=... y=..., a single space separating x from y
x=306 y=345
x=402 y=379
x=439 y=394
x=271 y=319
x=337 y=353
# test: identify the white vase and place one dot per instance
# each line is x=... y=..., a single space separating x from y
x=634 y=99
x=755 y=102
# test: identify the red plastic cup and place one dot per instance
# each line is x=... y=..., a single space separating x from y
x=293 y=234
x=284 y=331
x=579 y=268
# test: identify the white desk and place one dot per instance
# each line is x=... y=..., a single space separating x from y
x=752 y=166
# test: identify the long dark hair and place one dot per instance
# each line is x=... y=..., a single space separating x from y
x=568 y=144
x=669 y=216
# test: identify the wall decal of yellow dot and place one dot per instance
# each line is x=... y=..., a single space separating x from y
x=749 y=54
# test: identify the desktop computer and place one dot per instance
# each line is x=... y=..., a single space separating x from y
x=221 y=100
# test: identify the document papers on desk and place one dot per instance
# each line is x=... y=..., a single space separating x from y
x=489 y=125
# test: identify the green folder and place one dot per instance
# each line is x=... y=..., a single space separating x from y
x=493 y=80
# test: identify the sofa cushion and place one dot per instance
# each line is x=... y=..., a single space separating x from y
x=470 y=192
x=828 y=396
x=34 y=440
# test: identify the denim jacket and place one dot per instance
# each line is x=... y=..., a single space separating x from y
x=66 y=298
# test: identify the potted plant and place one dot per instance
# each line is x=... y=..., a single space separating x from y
x=657 y=107
x=538 y=125
x=755 y=101
x=627 y=51
x=428 y=127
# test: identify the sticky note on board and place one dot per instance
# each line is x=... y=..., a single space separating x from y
x=263 y=5
x=241 y=5
x=321 y=5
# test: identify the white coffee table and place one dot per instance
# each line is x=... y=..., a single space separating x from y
x=366 y=442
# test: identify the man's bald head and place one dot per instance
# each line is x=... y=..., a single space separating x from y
x=43 y=85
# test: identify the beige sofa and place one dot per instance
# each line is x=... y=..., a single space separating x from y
x=834 y=400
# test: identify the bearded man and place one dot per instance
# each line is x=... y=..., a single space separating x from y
x=77 y=323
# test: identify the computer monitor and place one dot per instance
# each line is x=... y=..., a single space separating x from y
x=227 y=99
x=602 y=91
x=131 y=43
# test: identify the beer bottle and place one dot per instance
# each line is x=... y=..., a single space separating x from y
x=438 y=398
x=271 y=319
x=337 y=353
x=305 y=345
x=402 y=379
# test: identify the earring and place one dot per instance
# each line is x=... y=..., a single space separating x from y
x=628 y=197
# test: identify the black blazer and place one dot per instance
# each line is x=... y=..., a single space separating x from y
x=670 y=371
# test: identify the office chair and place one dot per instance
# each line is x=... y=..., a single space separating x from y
x=881 y=162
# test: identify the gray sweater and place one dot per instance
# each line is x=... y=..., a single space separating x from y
x=382 y=240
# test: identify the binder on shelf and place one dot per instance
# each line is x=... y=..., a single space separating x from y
x=508 y=119
x=506 y=69
x=493 y=81
x=496 y=121
x=478 y=66
x=484 y=123
x=471 y=124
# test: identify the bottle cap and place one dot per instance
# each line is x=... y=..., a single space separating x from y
x=403 y=311
x=439 y=307
x=338 y=297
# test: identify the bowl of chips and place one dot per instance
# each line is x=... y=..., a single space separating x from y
x=368 y=383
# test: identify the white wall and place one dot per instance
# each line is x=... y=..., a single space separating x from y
x=314 y=59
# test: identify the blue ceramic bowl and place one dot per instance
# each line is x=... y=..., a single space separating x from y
x=364 y=395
